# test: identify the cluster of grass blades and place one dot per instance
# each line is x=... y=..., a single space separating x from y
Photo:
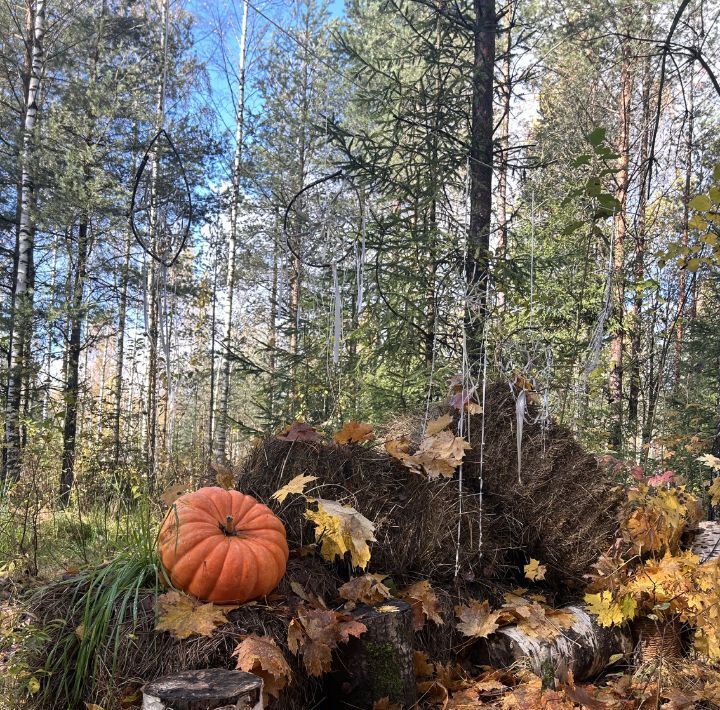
x=95 y=625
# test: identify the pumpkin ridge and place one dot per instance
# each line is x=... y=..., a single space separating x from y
x=190 y=549
x=228 y=543
x=268 y=544
x=222 y=516
x=245 y=504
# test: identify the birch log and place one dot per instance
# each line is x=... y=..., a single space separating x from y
x=209 y=689
x=706 y=544
x=585 y=648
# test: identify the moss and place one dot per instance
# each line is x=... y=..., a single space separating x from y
x=384 y=670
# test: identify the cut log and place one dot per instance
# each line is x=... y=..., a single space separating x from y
x=585 y=648
x=379 y=663
x=208 y=689
x=706 y=544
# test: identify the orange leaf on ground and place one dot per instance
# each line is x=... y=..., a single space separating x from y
x=354 y=433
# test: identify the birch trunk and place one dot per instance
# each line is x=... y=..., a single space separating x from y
x=152 y=300
x=682 y=276
x=23 y=303
x=221 y=416
x=639 y=258
x=617 y=337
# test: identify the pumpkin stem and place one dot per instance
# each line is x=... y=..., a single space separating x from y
x=228 y=528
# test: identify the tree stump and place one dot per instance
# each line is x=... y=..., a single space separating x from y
x=208 y=689
x=378 y=664
x=585 y=648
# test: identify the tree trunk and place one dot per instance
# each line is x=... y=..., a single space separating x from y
x=152 y=284
x=72 y=382
x=585 y=648
x=378 y=664
x=682 y=276
x=639 y=257
x=210 y=689
x=221 y=416
x=120 y=349
x=477 y=258
x=23 y=302
x=504 y=143
x=615 y=387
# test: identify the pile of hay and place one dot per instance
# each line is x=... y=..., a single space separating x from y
x=563 y=512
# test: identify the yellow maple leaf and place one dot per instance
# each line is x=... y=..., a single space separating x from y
x=296 y=485
x=354 y=433
x=534 y=570
x=477 y=620
x=262 y=656
x=342 y=529
x=183 y=616
x=714 y=491
x=610 y=612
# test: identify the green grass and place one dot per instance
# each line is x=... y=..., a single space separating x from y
x=102 y=599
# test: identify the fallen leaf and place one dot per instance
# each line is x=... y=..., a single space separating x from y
x=296 y=485
x=424 y=603
x=477 y=620
x=534 y=570
x=224 y=475
x=436 y=425
x=342 y=529
x=710 y=461
x=714 y=491
x=170 y=495
x=423 y=667
x=316 y=632
x=354 y=433
x=298 y=431
x=367 y=589
x=262 y=656
x=183 y=616
x=385 y=704
x=432 y=692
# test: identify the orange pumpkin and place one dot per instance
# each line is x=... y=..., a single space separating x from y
x=222 y=546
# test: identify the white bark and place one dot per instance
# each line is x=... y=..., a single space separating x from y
x=585 y=648
x=223 y=393
x=22 y=307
